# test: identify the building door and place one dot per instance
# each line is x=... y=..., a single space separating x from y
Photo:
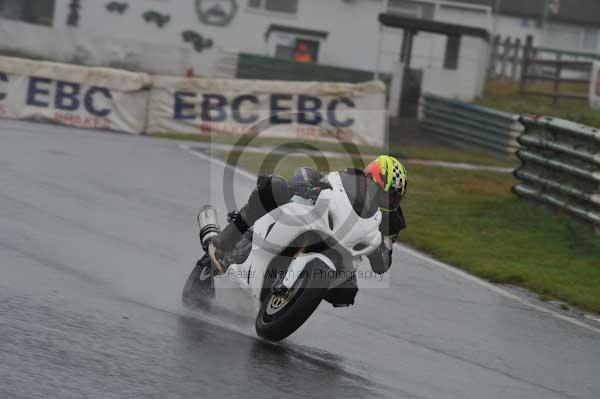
x=411 y=93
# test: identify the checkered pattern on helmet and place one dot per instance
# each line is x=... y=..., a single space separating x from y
x=398 y=180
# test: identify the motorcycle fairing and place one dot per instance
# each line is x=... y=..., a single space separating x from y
x=332 y=215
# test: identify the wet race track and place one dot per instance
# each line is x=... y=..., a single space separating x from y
x=98 y=234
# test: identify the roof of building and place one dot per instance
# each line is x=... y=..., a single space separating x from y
x=299 y=31
x=586 y=12
x=424 y=25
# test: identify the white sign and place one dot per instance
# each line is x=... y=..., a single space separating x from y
x=333 y=111
x=95 y=98
x=102 y=98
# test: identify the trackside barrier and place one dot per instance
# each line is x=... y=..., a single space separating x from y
x=99 y=98
x=469 y=125
x=316 y=110
x=560 y=166
x=130 y=102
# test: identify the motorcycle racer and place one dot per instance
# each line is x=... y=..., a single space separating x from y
x=272 y=191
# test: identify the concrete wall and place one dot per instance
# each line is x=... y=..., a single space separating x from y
x=127 y=40
x=467 y=81
x=246 y=32
x=352 y=26
x=70 y=46
x=464 y=83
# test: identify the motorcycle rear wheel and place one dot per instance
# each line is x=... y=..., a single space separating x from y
x=280 y=316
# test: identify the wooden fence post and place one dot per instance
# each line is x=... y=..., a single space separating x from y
x=557 y=73
x=515 y=60
x=505 y=54
x=527 y=50
x=494 y=57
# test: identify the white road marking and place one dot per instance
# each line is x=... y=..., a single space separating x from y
x=431 y=260
x=333 y=154
x=217 y=161
x=460 y=165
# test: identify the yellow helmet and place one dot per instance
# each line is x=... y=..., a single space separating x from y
x=389 y=174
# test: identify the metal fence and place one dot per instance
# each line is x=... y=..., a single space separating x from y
x=557 y=67
x=469 y=125
x=541 y=71
x=506 y=58
x=560 y=166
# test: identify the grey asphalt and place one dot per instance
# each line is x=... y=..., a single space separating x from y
x=97 y=236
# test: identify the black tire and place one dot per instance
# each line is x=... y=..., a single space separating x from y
x=199 y=291
x=307 y=297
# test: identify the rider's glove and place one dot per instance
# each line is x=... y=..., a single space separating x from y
x=381 y=258
x=308 y=192
x=232 y=216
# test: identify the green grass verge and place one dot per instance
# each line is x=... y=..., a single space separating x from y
x=400 y=151
x=471 y=219
x=504 y=96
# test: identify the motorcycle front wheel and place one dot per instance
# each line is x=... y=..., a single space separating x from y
x=280 y=315
x=199 y=290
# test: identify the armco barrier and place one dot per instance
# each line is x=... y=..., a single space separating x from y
x=98 y=98
x=470 y=125
x=560 y=166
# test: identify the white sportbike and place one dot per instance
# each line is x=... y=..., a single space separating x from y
x=297 y=255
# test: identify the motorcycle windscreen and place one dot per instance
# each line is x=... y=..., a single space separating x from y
x=363 y=193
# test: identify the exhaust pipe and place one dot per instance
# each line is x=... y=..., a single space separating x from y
x=209 y=225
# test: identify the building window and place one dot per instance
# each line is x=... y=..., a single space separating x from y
x=40 y=12
x=452 y=52
x=284 y=52
x=282 y=6
x=300 y=50
x=294 y=44
x=306 y=51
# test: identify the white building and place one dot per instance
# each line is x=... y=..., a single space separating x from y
x=571 y=25
x=171 y=36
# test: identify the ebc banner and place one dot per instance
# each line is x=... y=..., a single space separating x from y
x=338 y=111
x=94 y=98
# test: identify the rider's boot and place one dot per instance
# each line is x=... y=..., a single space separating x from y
x=225 y=242
x=270 y=192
